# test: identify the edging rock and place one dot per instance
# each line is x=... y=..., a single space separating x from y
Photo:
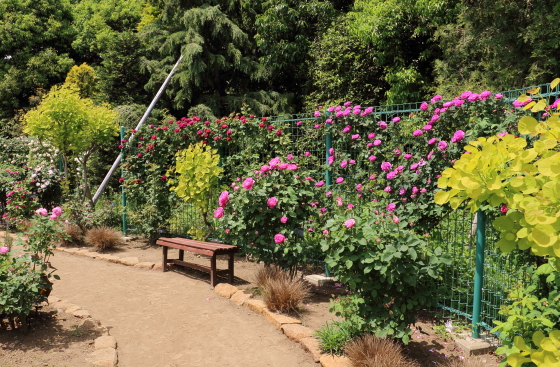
x=105 y=345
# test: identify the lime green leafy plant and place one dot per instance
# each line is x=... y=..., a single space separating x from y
x=197 y=174
x=522 y=174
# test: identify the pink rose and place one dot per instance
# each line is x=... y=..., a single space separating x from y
x=56 y=212
x=284 y=219
x=343 y=164
x=223 y=199
x=442 y=145
x=417 y=132
x=320 y=184
x=272 y=202
x=424 y=106
x=349 y=223
x=218 y=213
x=248 y=183
x=339 y=180
x=4 y=249
x=279 y=238
x=339 y=201
x=391 y=207
x=396 y=119
x=386 y=166
x=458 y=136
x=396 y=219
x=43 y=212
x=377 y=142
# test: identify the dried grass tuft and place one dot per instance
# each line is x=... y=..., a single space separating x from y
x=75 y=234
x=103 y=238
x=281 y=291
x=371 y=351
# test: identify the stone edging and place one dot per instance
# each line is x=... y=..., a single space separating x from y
x=129 y=261
x=290 y=326
x=105 y=345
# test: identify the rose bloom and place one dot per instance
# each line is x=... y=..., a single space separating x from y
x=349 y=223
x=56 y=212
x=350 y=206
x=248 y=183
x=407 y=156
x=386 y=166
x=339 y=201
x=442 y=145
x=4 y=250
x=271 y=202
x=343 y=164
x=284 y=219
x=218 y=213
x=279 y=238
x=377 y=142
x=320 y=184
x=356 y=136
x=424 y=106
x=43 y=212
x=340 y=180
x=396 y=219
x=223 y=199
x=458 y=136
x=417 y=132
x=382 y=125
x=391 y=207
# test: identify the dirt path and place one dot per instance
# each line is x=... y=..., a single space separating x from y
x=171 y=320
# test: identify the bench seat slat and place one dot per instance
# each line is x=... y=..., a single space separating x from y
x=199 y=247
x=198 y=244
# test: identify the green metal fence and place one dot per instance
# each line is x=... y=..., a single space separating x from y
x=465 y=291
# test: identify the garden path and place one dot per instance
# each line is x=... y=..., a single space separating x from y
x=170 y=320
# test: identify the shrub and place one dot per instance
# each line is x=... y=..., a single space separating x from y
x=371 y=351
x=74 y=233
x=333 y=336
x=281 y=290
x=103 y=238
x=389 y=269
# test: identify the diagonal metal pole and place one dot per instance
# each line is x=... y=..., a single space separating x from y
x=144 y=118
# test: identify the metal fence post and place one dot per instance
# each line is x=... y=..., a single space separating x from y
x=123 y=192
x=478 y=272
x=328 y=173
x=328 y=146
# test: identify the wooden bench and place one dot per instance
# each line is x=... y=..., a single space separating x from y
x=199 y=247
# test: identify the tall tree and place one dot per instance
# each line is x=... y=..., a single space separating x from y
x=402 y=33
x=35 y=36
x=484 y=51
x=73 y=125
x=220 y=70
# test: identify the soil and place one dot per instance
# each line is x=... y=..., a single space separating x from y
x=55 y=340
x=174 y=318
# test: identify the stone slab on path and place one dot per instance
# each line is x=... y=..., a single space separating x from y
x=105 y=342
x=129 y=261
x=327 y=360
x=296 y=332
x=104 y=357
x=240 y=297
x=278 y=320
x=255 y=305
x=225 y=290
x=311 y=345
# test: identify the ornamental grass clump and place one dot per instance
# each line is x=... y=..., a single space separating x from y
x=371 y=351
x=281 y=291
x=74 y=234
x=103 y=238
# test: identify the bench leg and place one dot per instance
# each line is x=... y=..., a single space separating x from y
x=181 y=254
x=213 y=279
x=230 y=267
x=164 y=264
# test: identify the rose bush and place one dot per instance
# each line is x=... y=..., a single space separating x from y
x=274 y=213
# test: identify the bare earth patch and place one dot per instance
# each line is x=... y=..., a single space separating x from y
x=55 y=339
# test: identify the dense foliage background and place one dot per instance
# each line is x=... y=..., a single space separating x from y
x=278 y=56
